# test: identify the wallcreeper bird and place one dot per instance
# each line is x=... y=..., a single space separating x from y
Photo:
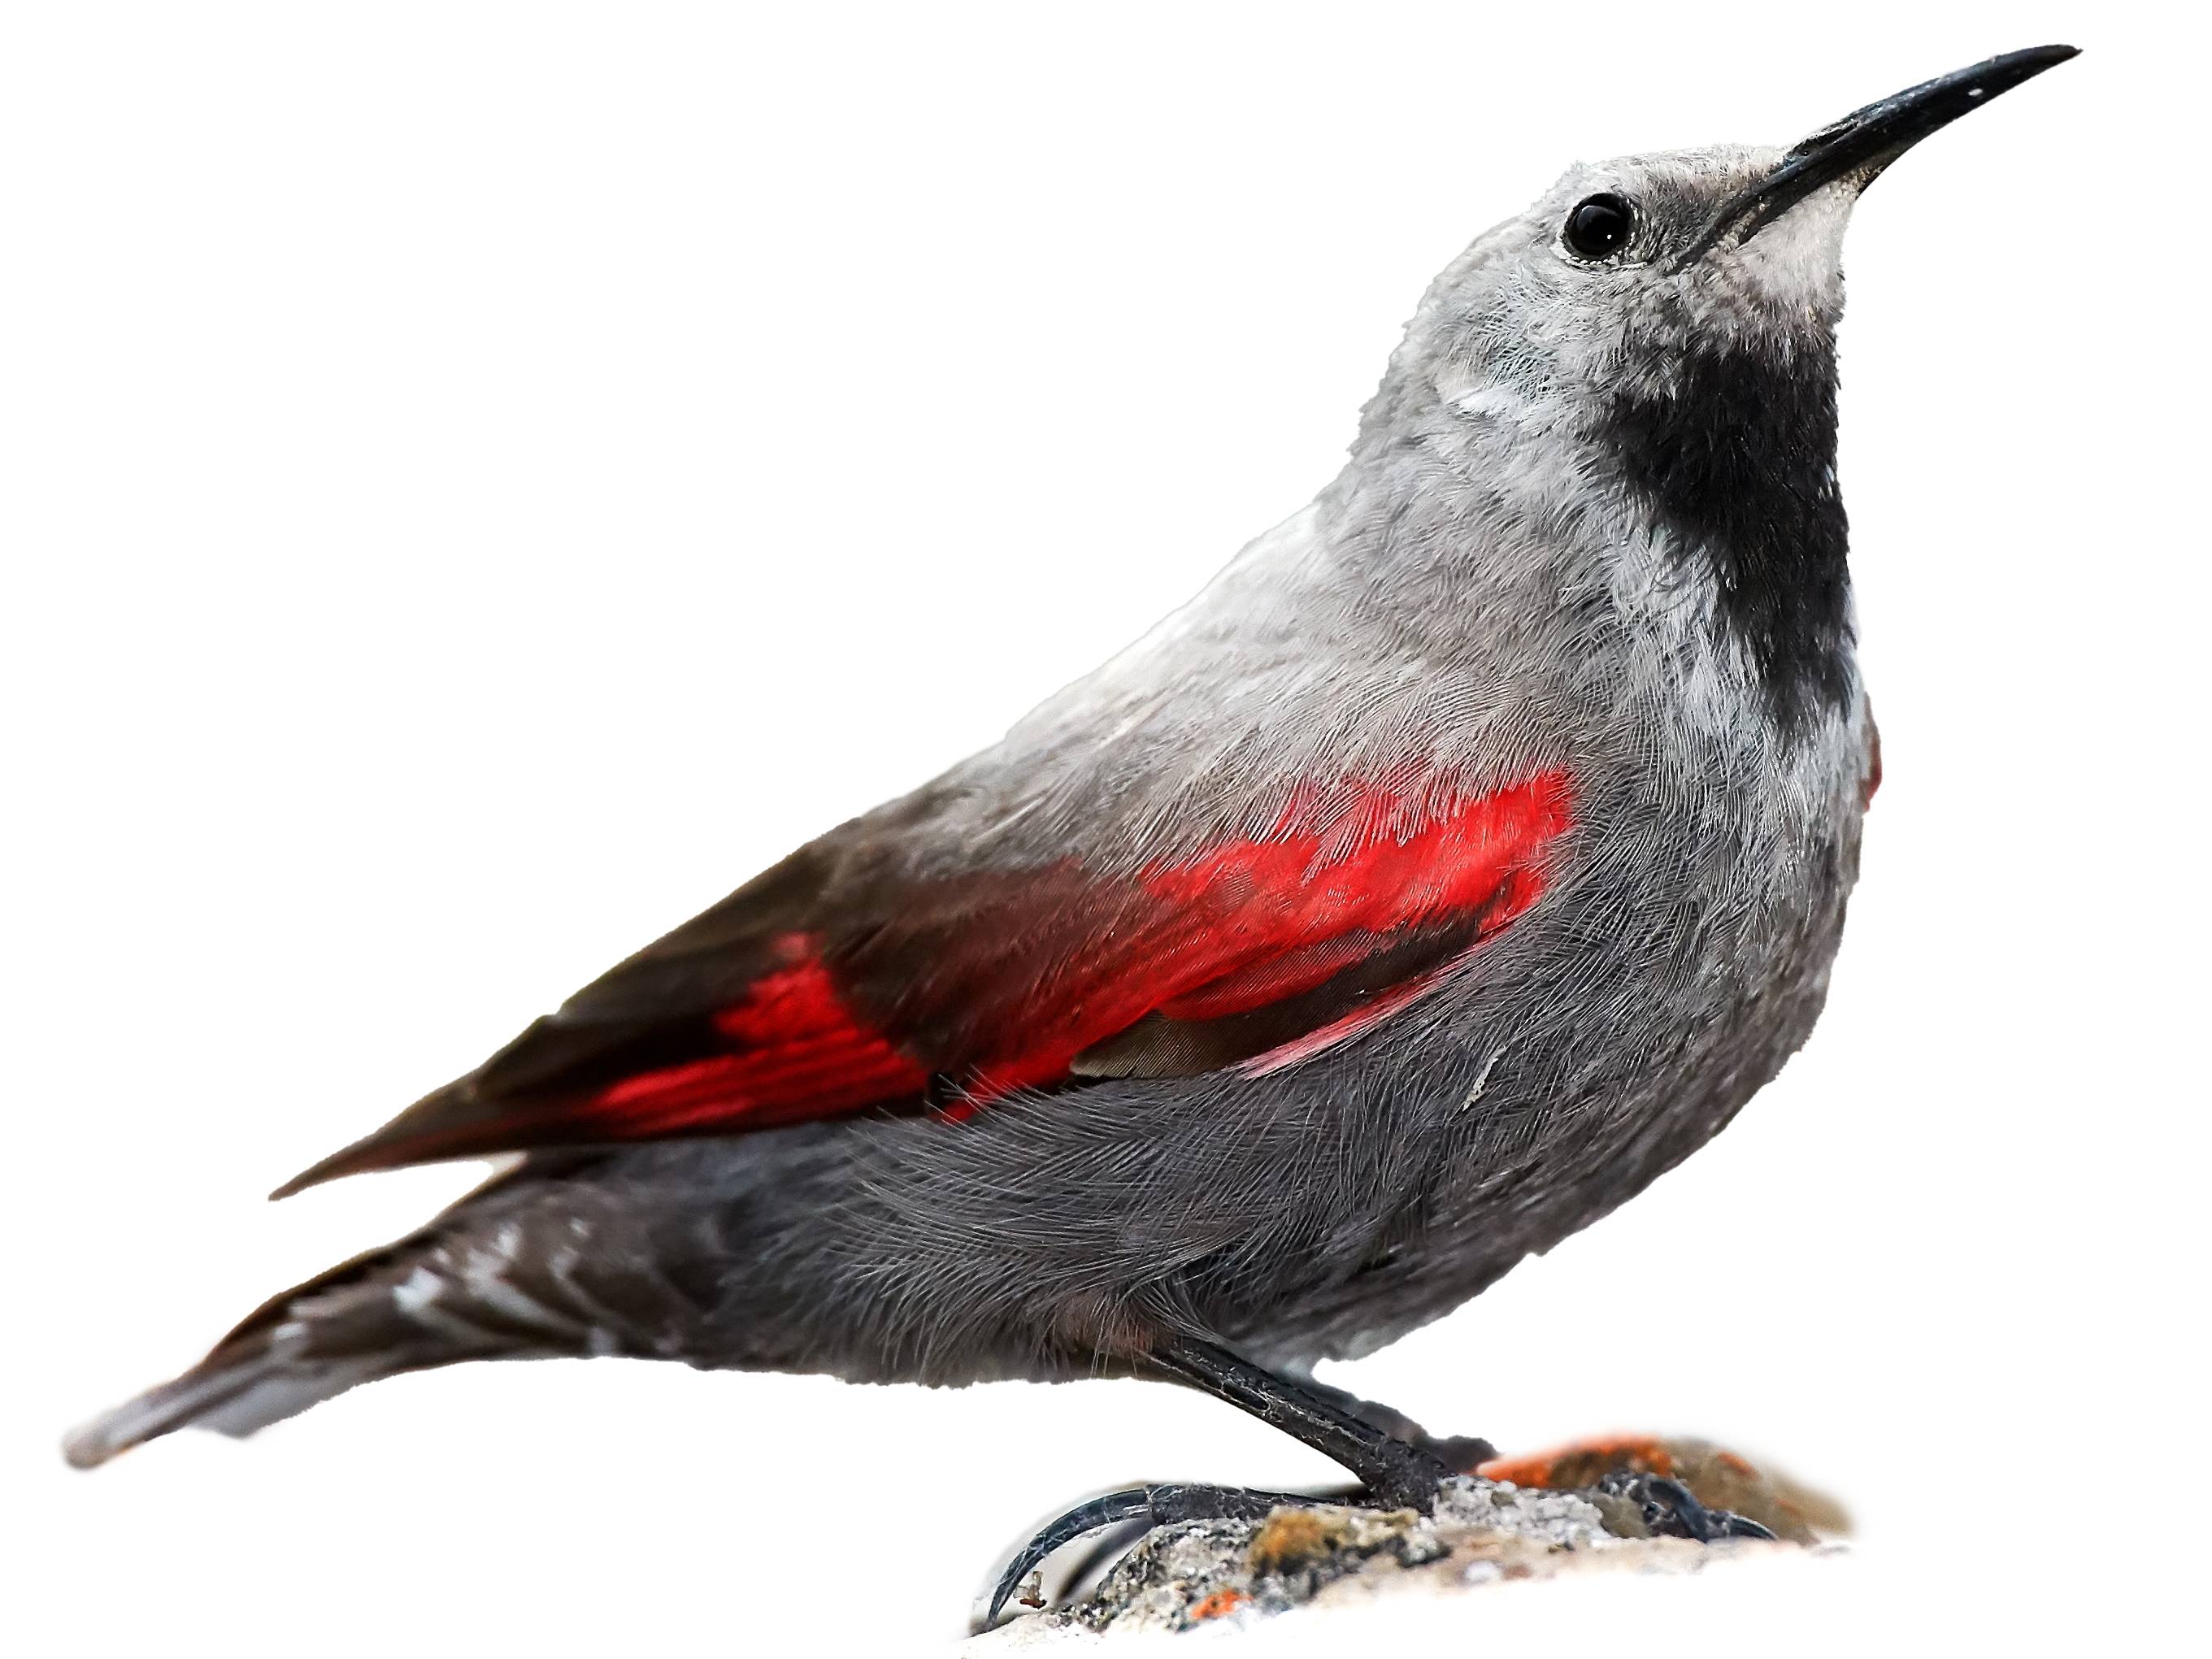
x=1463 y=857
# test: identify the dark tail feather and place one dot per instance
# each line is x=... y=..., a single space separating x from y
x=492 y=1277
x=296 y=1350
x=233 y=1391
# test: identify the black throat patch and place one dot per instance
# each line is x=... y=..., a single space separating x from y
x=1738 y=464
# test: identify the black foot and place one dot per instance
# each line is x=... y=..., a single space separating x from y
x=1392 y=1473
x=1671 y=1510
x=1395 y=1475
x=1460 y=1452
x=1153 y=1506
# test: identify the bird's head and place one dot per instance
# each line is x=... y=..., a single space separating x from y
x=1674 y=315
x=1623 y=266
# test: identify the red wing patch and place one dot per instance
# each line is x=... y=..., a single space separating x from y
x=798 y=1054
x=1251 y=923
x=1256 y=953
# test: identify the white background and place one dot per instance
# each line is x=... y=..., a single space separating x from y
x=480 y=482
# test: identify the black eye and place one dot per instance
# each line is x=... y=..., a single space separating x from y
x=1600 y=226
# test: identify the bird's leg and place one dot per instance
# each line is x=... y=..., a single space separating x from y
x=1392 y=1472
x=1461 y=1453
x=1395 y=1475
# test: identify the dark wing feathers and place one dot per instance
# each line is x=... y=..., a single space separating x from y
x=826 y=986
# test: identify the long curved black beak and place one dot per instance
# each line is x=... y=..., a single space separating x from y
x=1866 y=141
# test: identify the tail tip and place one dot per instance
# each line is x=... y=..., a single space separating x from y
x=90 y=1444
x=198 y=1396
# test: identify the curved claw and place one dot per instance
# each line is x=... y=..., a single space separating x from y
x=1671 y=1507
x=1105 y=1511
x=1098 y=1552
x=1156 y=1505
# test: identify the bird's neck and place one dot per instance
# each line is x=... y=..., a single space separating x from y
x=1723 y=456
x=1732 y=453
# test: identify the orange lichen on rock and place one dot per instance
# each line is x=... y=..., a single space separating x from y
x=1584 y=1462
x=1214 y=1606
x=1290 y=1538
x=1720 y=1479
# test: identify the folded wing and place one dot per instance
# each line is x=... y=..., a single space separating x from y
x=834 y=984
